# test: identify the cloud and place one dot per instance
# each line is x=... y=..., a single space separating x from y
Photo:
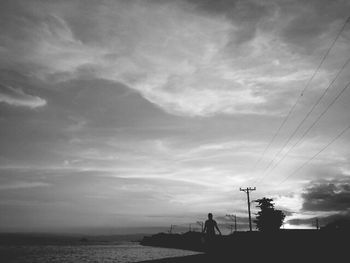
x=122 y=78
x=245 y=15
x=17 y=97
x=327 y=195
x=22 y=185
x=226 y=57
x=323 y=220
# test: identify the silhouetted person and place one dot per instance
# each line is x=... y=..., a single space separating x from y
x=209 y=228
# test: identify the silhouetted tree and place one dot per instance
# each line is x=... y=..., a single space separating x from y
x=268 y=218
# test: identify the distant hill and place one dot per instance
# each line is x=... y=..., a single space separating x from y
x=66 y=239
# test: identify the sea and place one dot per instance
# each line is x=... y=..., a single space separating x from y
x=121 y=253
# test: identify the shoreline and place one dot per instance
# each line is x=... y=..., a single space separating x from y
x=282 y=246
x=184 y=259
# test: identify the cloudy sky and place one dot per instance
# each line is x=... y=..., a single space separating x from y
x=123 y=114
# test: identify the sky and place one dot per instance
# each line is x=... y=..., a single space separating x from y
x=142 y=114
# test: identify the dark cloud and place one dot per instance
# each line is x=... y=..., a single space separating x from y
x=241 y=12
x=300 y=24
x=312 y=22
x=345 y=216
x=322 y=220
x=286 y=212
x=245 y=15
x=332 y=195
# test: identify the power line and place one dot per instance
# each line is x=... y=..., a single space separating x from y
x=297 y=101
x=277 y=132
x=309 y=113
x=315 y=155
x=312 y=125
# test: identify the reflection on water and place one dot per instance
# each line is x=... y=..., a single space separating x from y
x=87 y=253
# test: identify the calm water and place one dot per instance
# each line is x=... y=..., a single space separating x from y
x=130 y=252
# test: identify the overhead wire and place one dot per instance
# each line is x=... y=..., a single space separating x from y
x=296 y=102
x=317 y=119
x=312 y=125
x=315 y=155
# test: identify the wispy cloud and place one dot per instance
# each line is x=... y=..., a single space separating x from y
x=17 y=97
x=22 y=185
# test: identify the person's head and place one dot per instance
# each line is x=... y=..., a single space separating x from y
x=210 y=216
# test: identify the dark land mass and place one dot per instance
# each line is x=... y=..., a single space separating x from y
x=281 y=246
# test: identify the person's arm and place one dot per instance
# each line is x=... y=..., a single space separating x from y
x=217 y=228
x=205 y=227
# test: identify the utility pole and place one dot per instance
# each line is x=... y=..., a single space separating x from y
x=234 y=218
x=317 y=225
x=171 y=229
x=247 y=190
x=201 y=224
x=235 y=223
